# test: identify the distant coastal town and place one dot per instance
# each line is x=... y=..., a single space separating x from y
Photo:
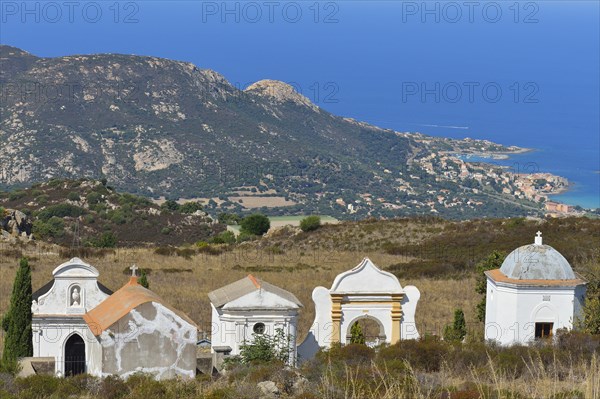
x=521 y=184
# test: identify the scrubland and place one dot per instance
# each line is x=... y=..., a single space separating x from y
x=437 y=256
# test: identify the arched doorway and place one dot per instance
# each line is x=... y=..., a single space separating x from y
x=371 y=330
x=74 y=356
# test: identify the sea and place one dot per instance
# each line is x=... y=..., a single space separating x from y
x=524 y=73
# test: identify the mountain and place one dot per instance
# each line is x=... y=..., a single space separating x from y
x=158 y=127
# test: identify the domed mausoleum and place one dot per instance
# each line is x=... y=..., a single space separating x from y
x=534 y=293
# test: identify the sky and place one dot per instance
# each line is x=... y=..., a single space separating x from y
x=516 y=72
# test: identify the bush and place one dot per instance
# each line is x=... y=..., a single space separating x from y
x=492 y=261
x=310 y=223
x=94 y=198
x=266 y=348
x=225 y=237
x=356 y=334
x=52 y=228
x=112 y=387
x=42 y=199
x=108 y=239
x=228 y=218
x=73 y=196
x=456 y=331
x=170 y=205
x=61 y=211
x=190 y=207
x=15 y=195
x=256 y=224
x=245 y=236
x=165 y=251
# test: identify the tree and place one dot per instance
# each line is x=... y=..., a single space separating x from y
x=144 y=279
x=492 y=261
x=456 y=331
x=108 y=239
x=310 y=223
x=591 y=307
x=18 y=341
x=257 y=224
x=356 y=334
x=170 y=205
x=191 y=207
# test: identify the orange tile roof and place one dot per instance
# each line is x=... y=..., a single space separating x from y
x=119 y=304
x=499 y=277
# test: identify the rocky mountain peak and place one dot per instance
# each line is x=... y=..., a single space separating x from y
x=279 y=92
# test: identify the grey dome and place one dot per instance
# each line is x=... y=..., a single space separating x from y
x=537 y=262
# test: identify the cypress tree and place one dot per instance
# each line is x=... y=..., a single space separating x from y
x=144 y=279
x=17 y=322
x=492 y=261
x=456 y=331
x=356 y=334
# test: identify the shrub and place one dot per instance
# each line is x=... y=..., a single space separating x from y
x=94 y=198
x=310 y=223
x=190 y=207
x=256 y=224
x=245 y=236
x=37 y=386
x=165 y=251
x=61 y=211
x=228 y=218
x=351 y=354
x=492 y=261
x=186 y=253
x=16 y=195
x=170 y=205
x=205 y=248
x=144 y=279
x=73 y=196
x=225 y=237
x=42 y=199
x=425 y=354
x=108 y=239
x=356 y=334
x=112 y=387
x=53 y=228
x=265 y=347
x=456 y=331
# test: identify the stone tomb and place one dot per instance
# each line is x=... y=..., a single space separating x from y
x=85 y=328
x=363 y=293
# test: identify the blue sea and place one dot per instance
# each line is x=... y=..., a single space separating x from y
x=520 y=73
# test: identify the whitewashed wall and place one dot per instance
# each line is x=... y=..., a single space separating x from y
x=55 y=319
x=511 y=312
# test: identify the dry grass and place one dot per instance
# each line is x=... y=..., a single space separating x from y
x=185 y=282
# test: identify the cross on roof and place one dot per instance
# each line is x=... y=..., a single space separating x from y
x=539 y=234
x=133 y=270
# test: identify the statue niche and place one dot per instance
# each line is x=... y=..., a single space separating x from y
x=75 y=297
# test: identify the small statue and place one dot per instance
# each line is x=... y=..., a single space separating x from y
x=34 y=306
x=75 y=297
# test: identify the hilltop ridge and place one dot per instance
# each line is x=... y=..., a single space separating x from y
x=164 y=128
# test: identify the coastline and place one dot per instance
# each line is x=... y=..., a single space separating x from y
x=557 y=185
x=499 y=155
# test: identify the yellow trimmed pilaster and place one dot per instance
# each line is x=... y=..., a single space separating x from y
x=336 y=318
x=396 y=317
